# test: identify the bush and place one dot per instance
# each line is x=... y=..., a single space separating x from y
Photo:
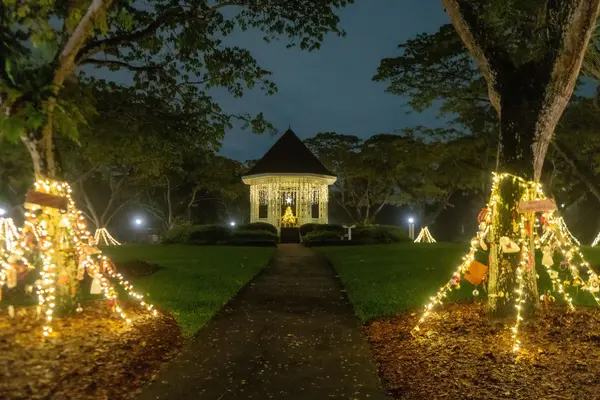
x=308 y=228
x=259 y=226
x=375 y=234
x=379 y=234
x=253 y=238
x=317 y=238
x=209 y=234
x=179 y=234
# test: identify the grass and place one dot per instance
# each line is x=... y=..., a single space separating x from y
x=195 y=281
x=383 y=280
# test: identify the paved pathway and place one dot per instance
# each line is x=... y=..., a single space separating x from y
x=289 y=334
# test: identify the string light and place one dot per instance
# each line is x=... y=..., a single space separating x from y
x=556 y=235
x=425 y=236
x=56 y=230
x=103 y=238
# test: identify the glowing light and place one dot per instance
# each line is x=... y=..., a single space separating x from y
x=555 y=235
x=103 y=238
x=232 y=223
x=425 y=236
x=70 y=233
x=2 y=211
x=411 y=220
x=138 y=221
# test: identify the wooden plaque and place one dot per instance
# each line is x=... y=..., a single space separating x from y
x=536 y=205
x=47 y=200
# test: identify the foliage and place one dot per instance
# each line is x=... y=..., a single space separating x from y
x=379 y=234
x=195 y=281
x=308 y=228
x=362 y=235
x=418 y=167
x=208 y=234
x=242 y=237
x=323 y=238
x=174 y=50
x=258 y=226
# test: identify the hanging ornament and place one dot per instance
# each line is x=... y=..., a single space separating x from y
x=476 y=273
x=593 y=285
x=508 y=246
x=11 y=311
x=547 y=260
x=11 y=278
x=481 y=217
x=564 y=264
x=455 y=281
x=569 y=255
x=553 y=274
x=96 y=286
x=576 y=282
x=28 y=289
x=483 y=246
x=475 y=292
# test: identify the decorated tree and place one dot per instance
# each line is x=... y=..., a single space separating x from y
x=172 y=49
x=288 y=218
x=529 y=56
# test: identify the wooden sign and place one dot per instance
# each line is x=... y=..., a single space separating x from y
x=536 y=205
x=47 y=200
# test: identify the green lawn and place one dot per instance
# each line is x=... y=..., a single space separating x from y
x=196 y=281
x=385 y=279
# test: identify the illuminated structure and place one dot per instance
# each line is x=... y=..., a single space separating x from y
x=289 y=176
x=425 y=236
x=102 y=237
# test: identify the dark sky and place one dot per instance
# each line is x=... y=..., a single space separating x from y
x=331 y=89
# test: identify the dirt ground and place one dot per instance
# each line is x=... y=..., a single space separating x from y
x=92 y=355
x=461 y=355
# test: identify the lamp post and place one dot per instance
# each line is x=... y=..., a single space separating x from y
x=411 y=228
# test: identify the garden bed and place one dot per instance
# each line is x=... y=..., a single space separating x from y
x=92 y=355
x=459 y=354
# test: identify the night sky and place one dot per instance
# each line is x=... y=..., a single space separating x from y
x=331 y=89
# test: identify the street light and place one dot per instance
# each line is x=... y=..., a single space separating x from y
x=2 y=211
x=411 y=228
x=138 y=221
x=232 y=224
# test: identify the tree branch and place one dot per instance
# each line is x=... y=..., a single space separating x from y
x=108 y=63
x=478 y=39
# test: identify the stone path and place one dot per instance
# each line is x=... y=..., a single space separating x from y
x=289 y=334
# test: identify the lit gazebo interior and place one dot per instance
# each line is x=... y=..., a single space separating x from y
x=289 y=175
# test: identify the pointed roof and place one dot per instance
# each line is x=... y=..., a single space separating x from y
x=289 y=156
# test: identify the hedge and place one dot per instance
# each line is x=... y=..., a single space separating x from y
x=259 y=226
x=362 y=235
x=308 y=228
x=218 y=234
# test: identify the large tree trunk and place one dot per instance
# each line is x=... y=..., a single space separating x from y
x=529 y=99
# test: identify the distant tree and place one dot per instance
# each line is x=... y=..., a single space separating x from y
x=171 y=48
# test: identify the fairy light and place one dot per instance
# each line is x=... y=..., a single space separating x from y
x=97 y=266
x=556 y=235
x=103 y=238
x=425 y=236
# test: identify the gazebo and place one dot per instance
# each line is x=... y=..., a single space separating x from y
x=289 y=178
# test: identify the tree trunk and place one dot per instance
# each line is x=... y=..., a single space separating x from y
x=42 y=159
x=503 y=267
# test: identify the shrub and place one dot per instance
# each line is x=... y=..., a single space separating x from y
x=259 y=226
x=316 y=238
x=242 y=237
x=308 y=228
x=179 y=234
x=379 y=234
x=208 y=234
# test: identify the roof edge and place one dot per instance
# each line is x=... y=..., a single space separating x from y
x=330 y=179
